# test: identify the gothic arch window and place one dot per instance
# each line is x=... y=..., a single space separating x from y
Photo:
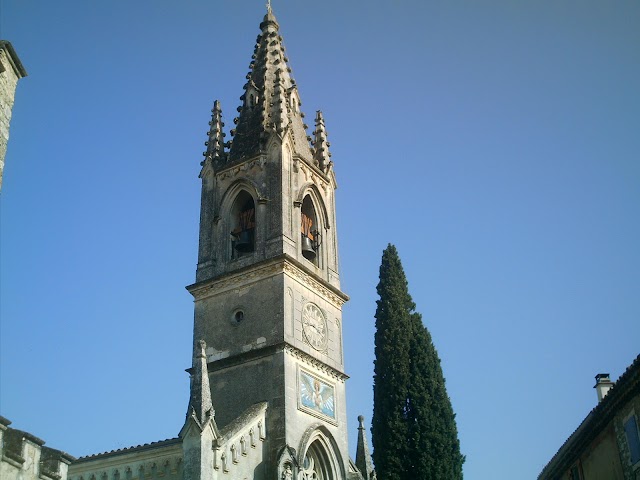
x=243 y=225
x=311 y=238
x=317 y=464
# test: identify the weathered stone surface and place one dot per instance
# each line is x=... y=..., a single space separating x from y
x=271 y=312
x=24 y=456
x=11 y=70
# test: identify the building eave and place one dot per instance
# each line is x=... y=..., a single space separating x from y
x=13 y=58
x=128 y=450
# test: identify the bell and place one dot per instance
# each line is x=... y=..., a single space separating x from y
x=243 y=242
x=307 y=248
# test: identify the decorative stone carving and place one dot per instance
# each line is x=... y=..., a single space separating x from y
x=244 y=278
x=309 y=360
x=312 y=283
x=259 y=162
x=287 y=473
x=234 y=454
x=308 y=470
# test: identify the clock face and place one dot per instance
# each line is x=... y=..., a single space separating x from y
x=314 y=326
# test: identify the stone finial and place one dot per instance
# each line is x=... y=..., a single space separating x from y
x=215 y=143
x=269 y=19
x=363 y=457
x=200 y=405
x=321 y=153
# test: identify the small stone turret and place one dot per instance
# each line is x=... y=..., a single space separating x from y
x=215 y=143
x=363 y=457
x=200 y=405
x=200 y=429
x=321 y=153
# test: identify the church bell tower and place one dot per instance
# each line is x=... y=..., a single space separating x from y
x=268 y=304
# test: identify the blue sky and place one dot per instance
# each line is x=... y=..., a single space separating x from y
x=495 y=143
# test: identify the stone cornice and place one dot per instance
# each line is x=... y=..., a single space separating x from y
x=314 y=362
x=233 y=169
x=295 y=270
x=312 y=173
x=306 y=358
x=249 y=274
x=268 y=268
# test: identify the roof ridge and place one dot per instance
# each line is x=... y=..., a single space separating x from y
x=158 y=443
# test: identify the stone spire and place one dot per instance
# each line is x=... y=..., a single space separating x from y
x=363 y=458
x=321 y=153
x=215 y=143
x=200 y=430
x=200 y=406
x=270 y=103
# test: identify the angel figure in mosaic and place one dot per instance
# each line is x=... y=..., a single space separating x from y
x=317 y=395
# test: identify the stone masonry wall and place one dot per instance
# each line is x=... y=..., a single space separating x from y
x=154 y=461
x=9 y=76
x=24 y=456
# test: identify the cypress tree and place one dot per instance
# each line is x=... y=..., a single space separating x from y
x=413 y=432
x=390 y=430
x=433 y=436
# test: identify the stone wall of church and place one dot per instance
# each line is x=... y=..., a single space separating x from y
x=24 y=456
x=155 y=461
x=241 y=451
x=324 y=406
x=238 y=386
x=242 y=313
x=304 y=296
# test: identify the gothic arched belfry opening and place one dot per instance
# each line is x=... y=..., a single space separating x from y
x=267 y=397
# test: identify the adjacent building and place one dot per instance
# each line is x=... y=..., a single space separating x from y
x=606 y=445
x=11 y=70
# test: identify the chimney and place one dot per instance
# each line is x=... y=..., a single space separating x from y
x=603 y=385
